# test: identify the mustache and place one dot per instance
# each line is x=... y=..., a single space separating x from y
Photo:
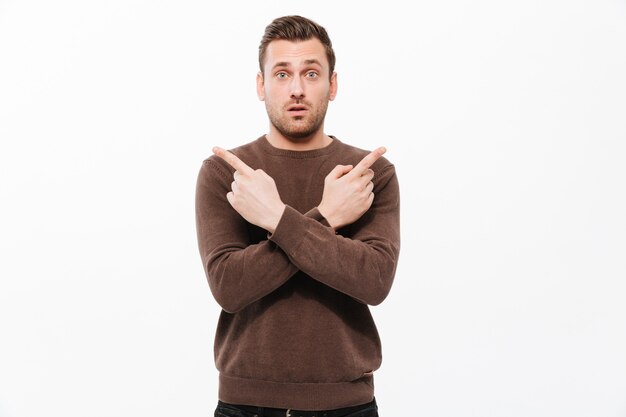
x=293 y=103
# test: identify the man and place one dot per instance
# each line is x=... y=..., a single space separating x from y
x=298 y=234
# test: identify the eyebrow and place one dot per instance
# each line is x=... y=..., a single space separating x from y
x=287 y=64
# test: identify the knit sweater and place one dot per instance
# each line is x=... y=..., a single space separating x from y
x=295 y=329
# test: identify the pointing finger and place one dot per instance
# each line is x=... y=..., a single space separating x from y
x=368 y=161
x=232 y=160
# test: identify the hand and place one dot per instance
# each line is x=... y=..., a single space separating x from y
x=254 y=194
x=348 y=191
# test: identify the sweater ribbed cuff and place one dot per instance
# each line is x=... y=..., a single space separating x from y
x=289 y=230
x=314 y=213
x=291 y=223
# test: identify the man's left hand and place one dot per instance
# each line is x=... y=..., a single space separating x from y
x=253 y=193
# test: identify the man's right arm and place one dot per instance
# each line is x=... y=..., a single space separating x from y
x=238 y=272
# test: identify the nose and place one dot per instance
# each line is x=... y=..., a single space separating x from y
x=297 y=88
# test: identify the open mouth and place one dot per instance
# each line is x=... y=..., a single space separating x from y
x=297 y=111
x=297 y=108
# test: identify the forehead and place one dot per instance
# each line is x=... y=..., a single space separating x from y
x=295 y=52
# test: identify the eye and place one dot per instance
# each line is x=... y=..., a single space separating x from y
x=281 y=75
x=311 y=74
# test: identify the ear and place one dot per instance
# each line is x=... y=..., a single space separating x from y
x=260 y=86
x=333 y=86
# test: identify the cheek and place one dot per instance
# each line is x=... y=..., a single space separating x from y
x=323 y=94
x=322 y=89
x=273 y=91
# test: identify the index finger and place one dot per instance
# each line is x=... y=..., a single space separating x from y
x=232 y=160
x=368 y=161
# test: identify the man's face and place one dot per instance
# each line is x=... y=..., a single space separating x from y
x=296 y=87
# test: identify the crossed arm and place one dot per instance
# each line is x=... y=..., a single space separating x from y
x=362 y=266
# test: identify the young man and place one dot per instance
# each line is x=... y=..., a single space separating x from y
x=298 y=234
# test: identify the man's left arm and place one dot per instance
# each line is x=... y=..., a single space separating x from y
x=363 y=265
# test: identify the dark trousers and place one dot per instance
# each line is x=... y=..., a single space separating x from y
x=232 y=410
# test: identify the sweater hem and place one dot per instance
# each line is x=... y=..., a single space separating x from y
x=305 y=396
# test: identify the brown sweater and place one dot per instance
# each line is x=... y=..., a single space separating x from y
x=296 y=330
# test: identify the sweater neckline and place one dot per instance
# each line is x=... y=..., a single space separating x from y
x=312 y=153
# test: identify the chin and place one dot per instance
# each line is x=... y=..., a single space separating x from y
x=300 y=133
x=297 y=130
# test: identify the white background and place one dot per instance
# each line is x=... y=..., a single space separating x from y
x=505 y=120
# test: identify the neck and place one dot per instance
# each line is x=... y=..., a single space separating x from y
x=317 y=140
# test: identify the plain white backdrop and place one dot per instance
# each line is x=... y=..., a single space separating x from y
x=506 y=123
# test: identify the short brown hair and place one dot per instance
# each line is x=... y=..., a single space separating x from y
x=296 y=28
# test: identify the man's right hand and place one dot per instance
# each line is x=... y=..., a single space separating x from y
x=348 y=191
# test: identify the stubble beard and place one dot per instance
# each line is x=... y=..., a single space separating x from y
x=297 y=128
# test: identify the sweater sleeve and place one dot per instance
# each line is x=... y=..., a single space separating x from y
x=238 y=271
x=362 y=266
